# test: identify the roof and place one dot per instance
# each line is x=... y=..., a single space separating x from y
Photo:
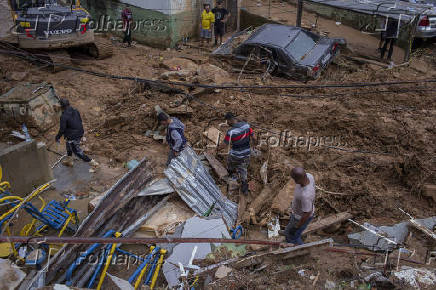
x=391 y=8
x=275 y=34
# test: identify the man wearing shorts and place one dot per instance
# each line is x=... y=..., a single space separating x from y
x=207 y=21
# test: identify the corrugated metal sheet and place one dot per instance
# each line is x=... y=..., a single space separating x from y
x=197 y=188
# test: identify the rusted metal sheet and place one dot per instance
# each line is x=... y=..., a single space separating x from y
x=197 y=188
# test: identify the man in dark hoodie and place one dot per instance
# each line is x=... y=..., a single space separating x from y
x=71 y=128
x=175 y=135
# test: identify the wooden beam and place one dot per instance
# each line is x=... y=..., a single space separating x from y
x=115 y=198
x=327 y=221
x=219 y=169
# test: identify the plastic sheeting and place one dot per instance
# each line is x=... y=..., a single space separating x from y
x=197 y=188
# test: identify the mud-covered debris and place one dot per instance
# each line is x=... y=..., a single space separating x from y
x=415 y=277
x=11 y=276
x=222 y=272
x=34 y=104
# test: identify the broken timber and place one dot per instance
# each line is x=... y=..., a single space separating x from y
x=219 y=169
x=286 y=253
x=115 y=198
x=327 y=222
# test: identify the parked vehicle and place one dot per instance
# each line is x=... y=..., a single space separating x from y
x=281 y=49
x=426 y=27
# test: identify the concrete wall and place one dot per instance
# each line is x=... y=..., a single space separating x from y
x=159 y=23
x=249 y=19
x=25 y=166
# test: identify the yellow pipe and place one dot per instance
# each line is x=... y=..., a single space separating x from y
x=143 y=271
x=159 y=264
x=66 y=223
x=31 y=196
x=108 y=261
x=5 y=184
x=10 y=197
x=27 y=228
x=12 y=244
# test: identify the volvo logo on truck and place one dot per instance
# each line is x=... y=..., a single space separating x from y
x=58 y=32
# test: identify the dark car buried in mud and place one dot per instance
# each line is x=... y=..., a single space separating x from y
x=281 y=49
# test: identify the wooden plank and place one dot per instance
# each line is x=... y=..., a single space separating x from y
x=219 y=169
x=304 y=246
x=423 y=229
x=283 y=199
x=327 y=221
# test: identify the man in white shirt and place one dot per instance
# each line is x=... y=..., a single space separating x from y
x=302 y=205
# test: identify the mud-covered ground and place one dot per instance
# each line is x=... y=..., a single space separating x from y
x=383 y=137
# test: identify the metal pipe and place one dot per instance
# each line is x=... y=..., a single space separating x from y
x=140 y=241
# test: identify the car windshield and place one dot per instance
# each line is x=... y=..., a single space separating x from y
x=300 y=46
x=22 y=4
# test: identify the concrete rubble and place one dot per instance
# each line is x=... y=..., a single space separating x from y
x=34 y=104
x=182 y=253
x=416 y=277
x=397 y=233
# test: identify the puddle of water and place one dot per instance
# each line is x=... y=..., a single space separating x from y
x=72 y=179
x=195 y=227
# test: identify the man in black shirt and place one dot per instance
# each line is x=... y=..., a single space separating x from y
x=221 y=16
x=71 y=128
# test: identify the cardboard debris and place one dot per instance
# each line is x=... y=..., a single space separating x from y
x=11 y=275
x=222 y=272
x=283 y=199
x=164 y=221
x=214 y=135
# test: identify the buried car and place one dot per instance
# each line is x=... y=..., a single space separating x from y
x=281 y=49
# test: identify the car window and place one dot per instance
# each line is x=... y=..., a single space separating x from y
x=300 y=46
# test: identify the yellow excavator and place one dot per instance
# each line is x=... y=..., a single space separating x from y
x=52 y=26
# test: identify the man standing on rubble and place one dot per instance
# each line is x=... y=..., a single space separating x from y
x=207 y=22
x=221 y=16
x=238 y=137
x=71 y=128
x=126 y=16
x=302 y=205
x=175 y=135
